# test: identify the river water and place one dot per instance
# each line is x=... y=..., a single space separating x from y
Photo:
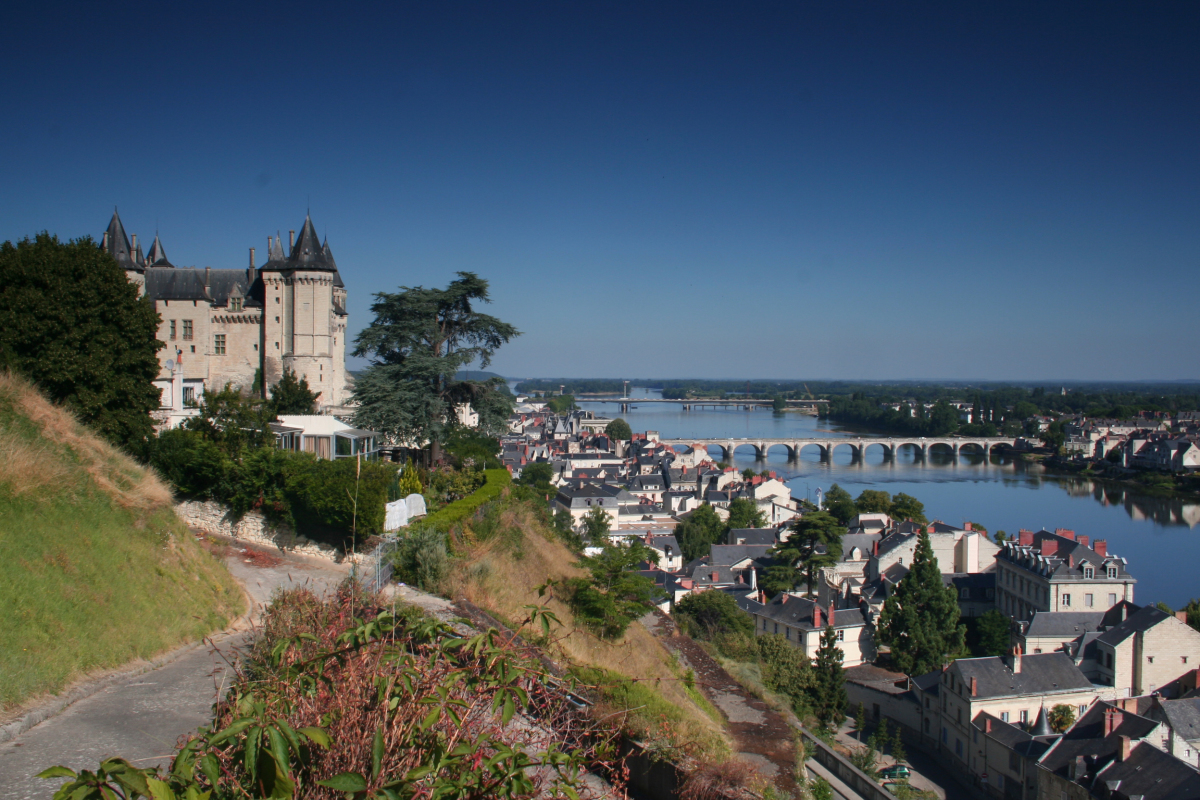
x=1156 y=535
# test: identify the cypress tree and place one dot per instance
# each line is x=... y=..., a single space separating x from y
x=920 y=620
x=831 y=699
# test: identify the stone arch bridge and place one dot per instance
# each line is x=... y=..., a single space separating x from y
x=858 y=447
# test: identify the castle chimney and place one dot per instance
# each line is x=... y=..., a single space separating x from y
x=974 y=687
x=207 y=275
x=251 y=258
x=133 y=247
x=1101 y=547
x=104 y=241
x=817 y=617
x=291 y=241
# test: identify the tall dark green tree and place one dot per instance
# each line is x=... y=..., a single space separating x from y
x=72 y=323
x=292 y=396
x=618 y=430
x=418 y=342
x=920 y=621
x=698 y=532
x=815 y=542
x=829 y=689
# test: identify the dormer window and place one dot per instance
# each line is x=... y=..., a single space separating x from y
x=235 y=304
x=1089 y=571
x=1112 y=570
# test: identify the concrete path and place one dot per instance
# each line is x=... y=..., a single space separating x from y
x=141 y=717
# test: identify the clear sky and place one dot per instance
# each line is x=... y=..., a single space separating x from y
x=793 y=190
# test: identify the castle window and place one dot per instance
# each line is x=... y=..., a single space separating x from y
x=235 y=304
x=187 y=330
x=172 y=330
x=219 y=344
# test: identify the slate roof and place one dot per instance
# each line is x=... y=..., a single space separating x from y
x=307 y=253
x=157 y=256
x=1086 y=738
x=1067 y=561
x=798 y=612
x=118 y=244
x=752 y=536
x=1183 y=717
x=180 y=283
x=1041 y=673
x=865 y=542
x=723 y=554
x=1144 y=619
x=1046 y=624
x=1151 y=774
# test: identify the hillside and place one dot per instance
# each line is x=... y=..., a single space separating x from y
x=95 y=568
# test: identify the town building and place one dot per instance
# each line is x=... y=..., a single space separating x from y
x=801 y=622
x=1059 y=571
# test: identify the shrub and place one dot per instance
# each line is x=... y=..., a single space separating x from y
x=421 y=559
x=708 y=615
x=456 y=512
x=332 y=500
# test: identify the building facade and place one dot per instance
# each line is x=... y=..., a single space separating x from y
x=243 y=327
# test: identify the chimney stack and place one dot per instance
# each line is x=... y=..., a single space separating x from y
x=817 y=617
x=1112 y=718
x=1016 y=659
x=207 y=275
x=1181 y=616
x=251 y=258
x=876 y=548
x=966 y=526
x=832 y=619
x=1101 y=547
x=104 y=241
x=987 y=721
x=291 y=241
x=1049 y=547
x=974 y=687
x=133 y=247
x=1024 y=537
x=1125 y=748
x=1083 y=540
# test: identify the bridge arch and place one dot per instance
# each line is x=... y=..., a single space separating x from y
x=765 y=449
x=982 y=448
x=855 y=448
x=889 y=451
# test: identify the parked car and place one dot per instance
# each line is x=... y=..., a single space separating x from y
x=896 y=771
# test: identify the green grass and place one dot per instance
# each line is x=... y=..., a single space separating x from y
x=90 y=579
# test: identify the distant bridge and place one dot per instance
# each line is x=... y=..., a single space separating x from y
x=697 y=402
x=858 y=447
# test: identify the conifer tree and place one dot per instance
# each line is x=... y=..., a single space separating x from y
x=410 y=483
x=830 y=700
x=920 y=620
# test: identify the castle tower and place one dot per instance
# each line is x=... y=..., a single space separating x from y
x=129 y=258
x=304 y=316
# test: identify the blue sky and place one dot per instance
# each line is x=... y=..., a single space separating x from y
x=794 y=190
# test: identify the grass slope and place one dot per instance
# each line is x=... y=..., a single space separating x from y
x=507 y=555
x=95 y=568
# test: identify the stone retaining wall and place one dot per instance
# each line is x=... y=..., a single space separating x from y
x=212 y=517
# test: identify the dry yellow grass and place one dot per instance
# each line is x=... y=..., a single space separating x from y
x=503 y=575
x=34 y=465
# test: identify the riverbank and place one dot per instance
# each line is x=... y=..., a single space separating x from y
x=1152 y=483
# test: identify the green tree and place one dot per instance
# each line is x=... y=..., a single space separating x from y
x=920 y=620
x=698 y=532
x=233 y=421
x=815 y=542
x=1192 y=609
x=1053 y=437
x=561 y=404
x=779 y=403
x=616 y=595
x=872 y=501
x=744 y=513
x=840 y=504
x=860 y=721
x=786 y=670
x=899 y=754
x=707 y=615
x=829 y=689
x=538 y=475
x=943 y=419
x=73 y=324
x=596 y=525
x=748 y=473
x=419 y=340
x=618 y=430
x=292 y=396
x=906 y=506
x=408 y=482
x=1061 y=717
x=992 y=636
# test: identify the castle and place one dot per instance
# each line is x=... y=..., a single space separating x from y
x=243 y=326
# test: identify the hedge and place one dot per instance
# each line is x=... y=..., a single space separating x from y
x=444 y=518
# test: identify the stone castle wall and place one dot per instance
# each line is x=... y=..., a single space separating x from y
x=212 y=517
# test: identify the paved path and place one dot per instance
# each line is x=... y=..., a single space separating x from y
x=141 y=718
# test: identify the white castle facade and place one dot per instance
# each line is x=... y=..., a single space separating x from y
x=243 y=327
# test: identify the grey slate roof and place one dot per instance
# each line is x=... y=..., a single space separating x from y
x=1151 y=774
x=1086 y=738
x=725 y=554
x=1046 y=624
x=798 y=612
x=185 y=283
x=1183 y=717
x=118 y=244
x=752 y=536
x=307 y=253
x=1041 y=673
x=157 y=256
x=1142 y=620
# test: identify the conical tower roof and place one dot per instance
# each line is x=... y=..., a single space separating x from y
x=337 y=276
x=1042 y=726
x=117 y=243
x=158 y=256
x=138 y=258
x=308 y=251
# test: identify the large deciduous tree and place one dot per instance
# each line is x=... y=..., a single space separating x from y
x=698 y=532
x=920 y=620
x=72 y=323
x=418 y=342
x=743 y=513
x=618 y=430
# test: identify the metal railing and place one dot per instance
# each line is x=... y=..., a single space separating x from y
x=375 y=570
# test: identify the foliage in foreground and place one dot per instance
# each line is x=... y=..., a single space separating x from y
x=346 y=699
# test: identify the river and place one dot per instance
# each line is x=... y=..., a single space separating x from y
x=1155 y=534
